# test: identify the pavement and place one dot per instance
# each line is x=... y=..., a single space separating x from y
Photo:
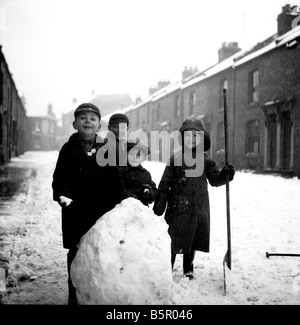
x=13 y=180
x=13 y=177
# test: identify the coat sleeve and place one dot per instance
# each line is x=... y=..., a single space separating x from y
x=153 y=188
x=120 y=181
x=163 y=191
x=59 y=182
x=215 y=176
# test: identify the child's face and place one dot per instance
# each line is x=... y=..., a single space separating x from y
x=87 y=124
x=136 y=157
x=191 y=138
x=119 y=130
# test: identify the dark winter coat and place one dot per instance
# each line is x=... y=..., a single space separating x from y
x=94 y=190
x=116 y=149
x=187 y=201
x=139 y=184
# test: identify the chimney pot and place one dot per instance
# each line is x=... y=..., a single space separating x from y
x=227 y=50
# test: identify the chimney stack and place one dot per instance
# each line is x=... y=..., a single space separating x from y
x=161 y=84
x=227 y=50
x=187 y=72
x=50 y=110
x=285 y=19
x=138 y=99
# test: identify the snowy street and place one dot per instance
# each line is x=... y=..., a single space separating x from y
x=265 y=214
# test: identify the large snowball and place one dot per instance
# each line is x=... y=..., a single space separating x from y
x=124 y=258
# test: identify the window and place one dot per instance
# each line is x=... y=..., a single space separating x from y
x=52 y=128
x=253 y=93
x=220 y=137
x=148 y=114
x=157 y=113
x=37 y=126
x=177 y=106
x=223 y=85
x=252 y=138
x=137 y=117
x=192 y=102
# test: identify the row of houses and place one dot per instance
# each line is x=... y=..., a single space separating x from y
x=20 y=132
x=263 y=89
x=14 y=123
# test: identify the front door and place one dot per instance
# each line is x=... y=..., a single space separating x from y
x=272 y=141
x=286 y=126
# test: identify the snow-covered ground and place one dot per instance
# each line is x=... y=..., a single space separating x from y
x=265 y=214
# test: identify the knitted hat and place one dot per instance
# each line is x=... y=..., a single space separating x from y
x=198 y=126
x=136 y=143
x=118 y=118
x=87 y=107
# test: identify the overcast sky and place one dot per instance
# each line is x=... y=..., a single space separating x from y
x=60 y=49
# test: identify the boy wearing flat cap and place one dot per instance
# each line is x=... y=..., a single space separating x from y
x=138 y=181
x=117 y=137
x=83 y=189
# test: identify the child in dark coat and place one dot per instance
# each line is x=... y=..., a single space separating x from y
x=186 y=198
x=138 y=181
x=116 y=139
x=83 y=189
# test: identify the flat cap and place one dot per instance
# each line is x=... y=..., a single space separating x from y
x=87 y=107
x=118 y=118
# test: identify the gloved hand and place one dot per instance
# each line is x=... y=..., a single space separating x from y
x=146 y=193
x=228 y=170
x=160 y=204
x=64 y=201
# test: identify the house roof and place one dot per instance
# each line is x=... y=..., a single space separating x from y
x=242 y=57
x=111 y=102
x=107 y=103
x=237 y=59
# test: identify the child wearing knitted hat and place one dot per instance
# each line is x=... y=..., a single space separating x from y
x=138 y=181
x=186 y=199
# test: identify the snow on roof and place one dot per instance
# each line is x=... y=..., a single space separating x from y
x=235 y=60
x=289 y=36
x=223 y=65
x=242 y=57
x=124 y=110
x=255 y=54
x=166 y=90
x=158 y=94
x=277 y=42
x=295 y=32
x=70 y=108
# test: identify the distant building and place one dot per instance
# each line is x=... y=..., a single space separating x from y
x=43 y=131
x=110 y=102
x=107 y=103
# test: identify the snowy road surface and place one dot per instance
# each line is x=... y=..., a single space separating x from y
x=265 y=214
